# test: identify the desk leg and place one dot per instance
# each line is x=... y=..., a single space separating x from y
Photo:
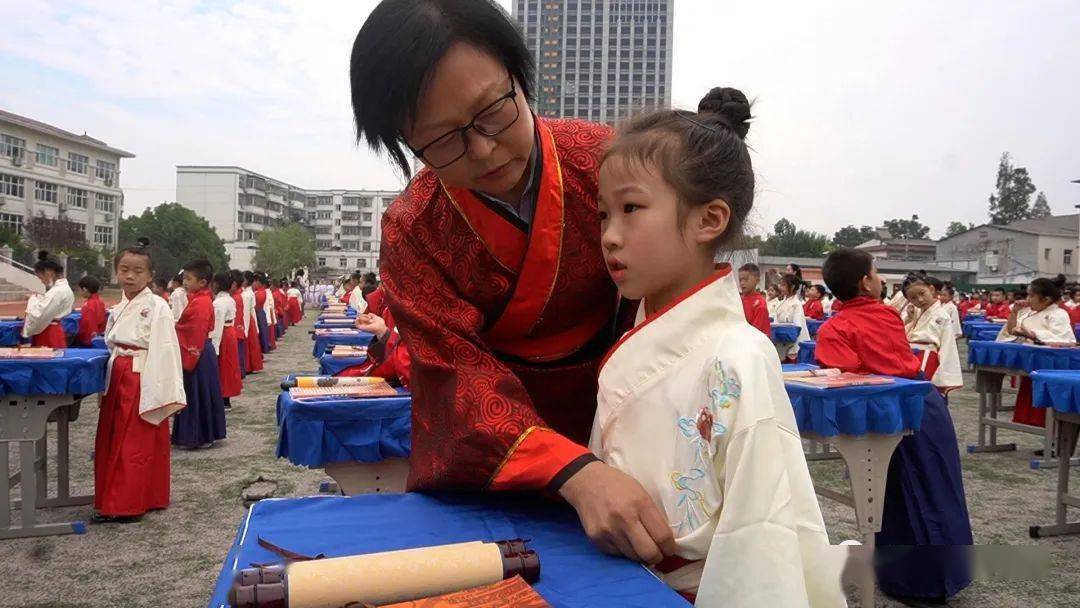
x=1068 y=429
x=988 y=385
x=5 y=490
x=867 y=458
x=63 y=466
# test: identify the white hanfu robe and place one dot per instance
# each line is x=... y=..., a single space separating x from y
x=954 y=316
x=357 y=301
x=146 y=323
x=790 y=311
x=224 y=315
x=247 y=296
x=43 y=309
x=1051 y=326
x=931 y=331
x=178 y=302
x=692 y=405
x=268 y=308
x=771 y=305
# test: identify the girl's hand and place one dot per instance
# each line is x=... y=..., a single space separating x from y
x=373 y=324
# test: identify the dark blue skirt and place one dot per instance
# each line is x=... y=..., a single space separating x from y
x=264 y=330
x=203 y=420
x=923 y=549
x=241 y=345
x=281 y=324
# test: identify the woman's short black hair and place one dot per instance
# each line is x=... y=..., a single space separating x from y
x=1049 y=288
x=90 y=284
x=401 y=42
x=44 y=262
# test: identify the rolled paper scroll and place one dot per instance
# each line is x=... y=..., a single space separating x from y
x=31 y=352
x=384 y=578
x=323 y=381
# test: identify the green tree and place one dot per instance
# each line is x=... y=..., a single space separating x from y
x=850 y=236
x=56 y=235
x=1041 y=208
x=285 y=248
x=787 y=240
x=87 y=260
x=955 y=228
x=1010 y=200
x=177 y=236
x=907 y=229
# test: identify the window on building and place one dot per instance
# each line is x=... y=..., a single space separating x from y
x=12 y=147
x=337 y=222
x=46 y=192
x=361 y=263
x=323 y=245
x=77 y=163
x=106 y=171
x=1046 y=253
x=48 y=155
x=77 y=197
x=349 y=245
x=1067 y=258
x=105 y=202
x=365 y=231
x=325 y=201
x=103 y=235
x=365 y=246
x=351 y=201
x=325 y=215
x=11 y=185
x=343 y=262
x=12 y=222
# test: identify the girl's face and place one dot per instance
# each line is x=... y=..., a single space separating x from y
x=786 y=290
x=1076 y=296
x=1036 y=302
x=47 y=277
x=773 y=292
x=649 y=254
x=944 y=297
x=789 y=269
x=921 y=295
x=133 y=272
x=813 y=294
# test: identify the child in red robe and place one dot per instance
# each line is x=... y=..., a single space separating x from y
x=131 y=450
x=813 y=308
x=236 y=279
x=295 y=307
x=203 y=420
x=44 y=312
x=999 y=308
x=267 y=338
x=755 y=307
x=254 y=336
x=93 y=318
x=925 y=510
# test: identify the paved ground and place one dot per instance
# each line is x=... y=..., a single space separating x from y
x=172 y=558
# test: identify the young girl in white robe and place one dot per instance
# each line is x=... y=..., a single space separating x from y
x=42 y=321
x=691 y=401
x=945 y=296
x=930 y=333
x=132 y=451
x=772 y=300
x=1038 y=320
x=789 y=311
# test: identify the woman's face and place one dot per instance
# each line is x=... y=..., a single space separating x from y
x=1037 y=302
x=921 y=295
x=464 y=82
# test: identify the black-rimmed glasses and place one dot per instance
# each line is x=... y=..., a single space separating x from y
x=448 y=148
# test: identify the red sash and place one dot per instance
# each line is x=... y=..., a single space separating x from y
x=535 y=258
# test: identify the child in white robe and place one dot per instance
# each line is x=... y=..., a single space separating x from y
x=132 y=451
x=945 y=296
x=691 y=401
x=42 y=322
x=930 y=332
x=178 y=299
x=356 y=298
x=772 y=300
x=790 y=312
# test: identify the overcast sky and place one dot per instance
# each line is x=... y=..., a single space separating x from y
x=865 y=110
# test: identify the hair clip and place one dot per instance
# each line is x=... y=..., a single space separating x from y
x=692 y=121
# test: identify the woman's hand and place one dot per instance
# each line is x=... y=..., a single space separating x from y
x=618 y=514
x=372 y=324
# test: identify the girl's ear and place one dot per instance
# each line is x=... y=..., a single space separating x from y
x=712 y=220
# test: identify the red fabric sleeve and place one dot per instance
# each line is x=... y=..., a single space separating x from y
x=836 y=350
x=193 y=329
x=756 y=310
x=1074 y=314
x=471 y=414
x=375 y=302
x=238 y=323
x=813 y=309
x=92 y=322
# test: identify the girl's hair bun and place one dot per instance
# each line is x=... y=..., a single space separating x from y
x=730 y=105
x=43 y=255
x=1059 y=281
x=143 y=242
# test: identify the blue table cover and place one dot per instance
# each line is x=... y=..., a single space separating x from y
x=797 y=367
x=332 y=429
x=335 y=325
x=1057 y=389
x=573 y=573
x=857 y=410
x=11 y=331
x=970 y=328
x=987 y=334
x=324 y=343
x=1076 y=331
x=784 y=334
x=980 y=316
x=813 y=325
x=1026 y=357
x=98 y=342
x=81 y=371
x=806 y=352
x=330 y=365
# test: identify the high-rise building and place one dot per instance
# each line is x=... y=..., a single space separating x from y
x=240 y=204
x=599 y=60
x=47 y=171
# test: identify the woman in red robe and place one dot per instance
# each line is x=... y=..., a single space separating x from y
x=492 y=267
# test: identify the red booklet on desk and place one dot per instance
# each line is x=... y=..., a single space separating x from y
x=833 y=378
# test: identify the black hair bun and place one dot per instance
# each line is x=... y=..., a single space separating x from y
x=1058 y=281
x=43 y=255
x=143 y=242
x=729 y=104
